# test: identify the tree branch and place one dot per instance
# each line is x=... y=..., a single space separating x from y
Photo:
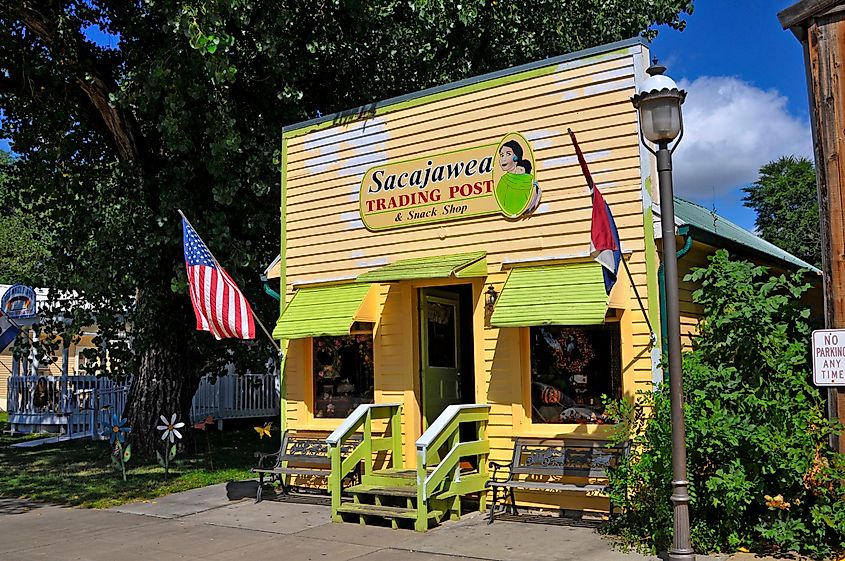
x=88 y=71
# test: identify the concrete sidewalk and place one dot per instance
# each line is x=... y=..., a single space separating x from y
x=203 y=524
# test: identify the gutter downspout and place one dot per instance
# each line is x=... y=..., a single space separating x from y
x=269 y=291
x=661 y=287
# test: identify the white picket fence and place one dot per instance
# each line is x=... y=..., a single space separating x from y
x=82 y=405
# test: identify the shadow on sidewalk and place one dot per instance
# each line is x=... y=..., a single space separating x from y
x=549 y=520
x=17 y=506
x=237 y=490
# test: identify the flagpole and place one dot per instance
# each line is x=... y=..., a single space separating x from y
x=653 y=337
x=254 y=315
x=591 y=185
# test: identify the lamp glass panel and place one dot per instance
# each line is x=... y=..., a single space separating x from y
x=660 y=119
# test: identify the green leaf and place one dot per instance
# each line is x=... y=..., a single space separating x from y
x=172 y=452
x=160 y=458
x=127 y=453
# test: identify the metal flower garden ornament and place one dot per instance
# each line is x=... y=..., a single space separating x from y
x=116 y=431
x=264 y=431
x=170 y=431
x=203 y=426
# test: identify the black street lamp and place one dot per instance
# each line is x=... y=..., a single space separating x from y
x=659 y=106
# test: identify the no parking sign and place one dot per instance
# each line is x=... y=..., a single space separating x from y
x=829 y=357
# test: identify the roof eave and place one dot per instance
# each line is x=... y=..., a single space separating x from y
x=797 y=14
x=716 y=240
x=367 y=109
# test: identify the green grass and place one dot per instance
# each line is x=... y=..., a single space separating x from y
x=80 y=472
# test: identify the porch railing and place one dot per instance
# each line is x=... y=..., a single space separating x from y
x=80 y=404
x=362 y=418
x=445 y=480
x=84 y=404
x=236 y=397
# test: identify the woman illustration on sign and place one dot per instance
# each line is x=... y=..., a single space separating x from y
x=516 y=191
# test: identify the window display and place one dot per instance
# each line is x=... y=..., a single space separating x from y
x=343 y=374
x=571 y=368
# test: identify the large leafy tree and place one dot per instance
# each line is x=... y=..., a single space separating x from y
x=185 y=109
x=787 y=205
x=23 y=253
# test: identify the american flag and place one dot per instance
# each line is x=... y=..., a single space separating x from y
x=219 y=305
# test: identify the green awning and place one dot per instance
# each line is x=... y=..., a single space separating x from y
x=552 y=295
x=461 y=265
x=323 y=310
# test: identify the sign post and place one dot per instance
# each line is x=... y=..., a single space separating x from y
x=829 y=357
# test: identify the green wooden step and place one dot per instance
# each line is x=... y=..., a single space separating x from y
x=394 y=477
x=392 y=491
x=397 y=472
x=387 y=512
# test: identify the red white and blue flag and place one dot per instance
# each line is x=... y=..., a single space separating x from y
x=219 y=305
x=604 y=237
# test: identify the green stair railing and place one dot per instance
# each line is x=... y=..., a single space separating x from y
x=445 y=483
x=362 y=418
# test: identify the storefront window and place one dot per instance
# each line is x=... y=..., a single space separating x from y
x=343 y=374
x=571 y=368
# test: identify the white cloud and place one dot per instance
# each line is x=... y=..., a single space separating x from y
x=731 y=129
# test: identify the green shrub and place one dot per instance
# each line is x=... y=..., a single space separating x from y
x=762 y=474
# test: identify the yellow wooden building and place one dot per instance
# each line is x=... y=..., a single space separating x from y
x=435 y=251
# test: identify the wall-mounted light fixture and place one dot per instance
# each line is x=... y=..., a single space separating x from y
x=490 y=296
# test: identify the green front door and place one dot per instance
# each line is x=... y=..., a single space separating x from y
x=440 y=351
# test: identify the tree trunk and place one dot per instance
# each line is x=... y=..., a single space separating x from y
x=168 y=369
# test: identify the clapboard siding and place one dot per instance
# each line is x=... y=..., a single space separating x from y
x=690 y=311
x=555 y=80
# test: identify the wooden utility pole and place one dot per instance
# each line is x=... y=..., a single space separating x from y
x=820 y=26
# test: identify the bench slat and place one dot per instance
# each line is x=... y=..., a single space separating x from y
x=548 y=486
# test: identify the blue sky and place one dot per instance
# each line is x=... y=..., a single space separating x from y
x=746 y=103
x=747 y=99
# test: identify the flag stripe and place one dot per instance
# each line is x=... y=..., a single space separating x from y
x=217 y=295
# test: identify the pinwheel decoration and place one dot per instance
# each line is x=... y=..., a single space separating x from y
x=116 y=431
x=169 y=430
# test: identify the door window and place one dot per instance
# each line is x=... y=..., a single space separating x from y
x=442 y=340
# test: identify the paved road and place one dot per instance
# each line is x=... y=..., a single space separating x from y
x=204 y=524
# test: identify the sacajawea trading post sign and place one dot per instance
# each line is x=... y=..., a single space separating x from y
x=829 y=357
x=491 y=179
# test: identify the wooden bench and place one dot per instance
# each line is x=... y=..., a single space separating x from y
x=301 y=453
x=540 y=463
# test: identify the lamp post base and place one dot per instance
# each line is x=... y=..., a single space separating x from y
x=681 y=549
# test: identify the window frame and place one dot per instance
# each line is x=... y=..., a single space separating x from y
x=523 y=421
x=310 y=401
